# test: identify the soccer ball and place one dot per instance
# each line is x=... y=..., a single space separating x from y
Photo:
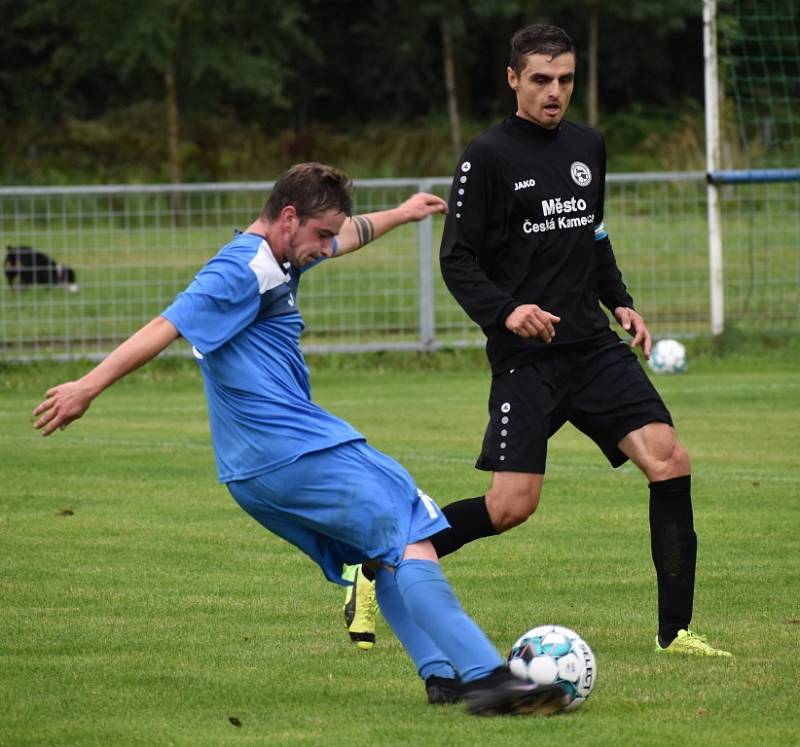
x=553 y=654
x=668 y=356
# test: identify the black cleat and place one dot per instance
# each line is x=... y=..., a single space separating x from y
x=443 y=690
x=503 y=694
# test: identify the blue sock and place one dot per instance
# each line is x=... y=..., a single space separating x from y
x=433 y=605
x=427 y=656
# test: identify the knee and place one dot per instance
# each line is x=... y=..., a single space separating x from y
x=508 y=508
x=669 y=462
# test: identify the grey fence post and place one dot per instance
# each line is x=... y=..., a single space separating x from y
x=427 y=317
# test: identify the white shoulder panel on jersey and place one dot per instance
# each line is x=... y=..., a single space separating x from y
x=266 y=269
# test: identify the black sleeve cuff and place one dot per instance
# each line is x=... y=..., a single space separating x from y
x=505 y=312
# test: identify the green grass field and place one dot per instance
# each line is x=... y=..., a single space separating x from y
x=142 y=607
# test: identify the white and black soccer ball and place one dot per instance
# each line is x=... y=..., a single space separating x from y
x=553 y=654
x=668 y=356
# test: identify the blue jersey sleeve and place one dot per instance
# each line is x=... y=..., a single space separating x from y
x=220 y=302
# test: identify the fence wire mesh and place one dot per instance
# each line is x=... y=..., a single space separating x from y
x=133 y=248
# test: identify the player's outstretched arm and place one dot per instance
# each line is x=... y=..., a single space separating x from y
x=68 y=401
x=361 y=229
x=633 y=323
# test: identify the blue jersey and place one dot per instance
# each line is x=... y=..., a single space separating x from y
x=240 y=315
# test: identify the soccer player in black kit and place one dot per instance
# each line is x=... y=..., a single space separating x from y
x=526 y=253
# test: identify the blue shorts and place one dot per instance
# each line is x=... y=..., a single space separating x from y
x=342 y=506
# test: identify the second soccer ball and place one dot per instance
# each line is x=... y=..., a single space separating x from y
x=668 y=356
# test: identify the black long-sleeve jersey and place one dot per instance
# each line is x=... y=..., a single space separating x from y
x=525 y=225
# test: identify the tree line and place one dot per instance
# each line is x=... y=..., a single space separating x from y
x=85 y=80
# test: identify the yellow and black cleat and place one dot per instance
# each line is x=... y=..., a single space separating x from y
x=360 y=608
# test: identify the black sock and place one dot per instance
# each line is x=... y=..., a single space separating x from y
x=674 y=547
x=469 y=520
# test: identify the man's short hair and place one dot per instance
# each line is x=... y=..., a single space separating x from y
x=538 y=38
x=313 y=189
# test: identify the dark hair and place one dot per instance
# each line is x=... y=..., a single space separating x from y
x=539 y=38
x=312 y=188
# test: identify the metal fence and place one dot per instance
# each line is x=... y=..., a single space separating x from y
x=133 y=248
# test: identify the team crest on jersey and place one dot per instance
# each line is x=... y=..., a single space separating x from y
x=581 y=174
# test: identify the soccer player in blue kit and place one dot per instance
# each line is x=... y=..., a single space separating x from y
x=300 y=471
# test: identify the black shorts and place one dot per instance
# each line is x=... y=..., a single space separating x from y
x=603 y=392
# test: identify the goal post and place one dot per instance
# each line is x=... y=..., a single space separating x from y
x=752 y=118
x=712 y=102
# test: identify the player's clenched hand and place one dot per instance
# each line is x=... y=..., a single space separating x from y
x=421 y=205
x=63 y=404
x=633 y=323
x=529 y=320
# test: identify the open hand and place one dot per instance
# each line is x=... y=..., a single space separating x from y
x=63 y=404
x=633 y=323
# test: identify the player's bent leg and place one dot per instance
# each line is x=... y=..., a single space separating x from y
x=360 y=607
x=489 y=688
x=434 y=607
x=469 y=520
x=442 y=684
x=673 y=545
x=657 y=452
x=512 y=498
x=655 y=449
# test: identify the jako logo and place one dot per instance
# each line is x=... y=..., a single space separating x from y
x=524 y=184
